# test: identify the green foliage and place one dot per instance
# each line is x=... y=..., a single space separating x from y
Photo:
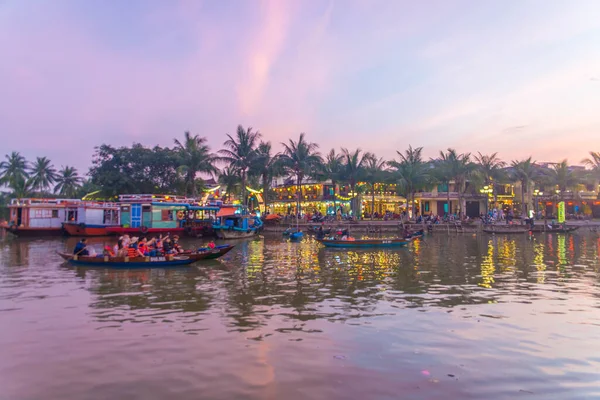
x=14 y=172
x=136 y=169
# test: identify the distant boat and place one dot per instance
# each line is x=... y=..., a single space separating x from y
x=232 y=223
x=365 y=243
x=296 y=235
x=506 y=229
x=554 y=228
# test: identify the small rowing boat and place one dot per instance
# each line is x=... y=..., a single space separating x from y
x=206 y=253
x=362 y=243
x=506 y=229
x=127 y=262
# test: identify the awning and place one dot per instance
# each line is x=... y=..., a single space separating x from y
x=226 y=212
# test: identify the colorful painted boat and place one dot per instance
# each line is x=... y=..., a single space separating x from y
x=90 y=218
x=365 y=243
x=298 y=235
x=37 y=217
x=126 y=262
x=232 y=223
x=151 y=214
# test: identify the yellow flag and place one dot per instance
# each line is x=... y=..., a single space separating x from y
x=561 y=212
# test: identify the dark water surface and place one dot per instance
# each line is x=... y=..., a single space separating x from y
x=459 y=317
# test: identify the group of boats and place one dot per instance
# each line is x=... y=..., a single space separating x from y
x=143 y=214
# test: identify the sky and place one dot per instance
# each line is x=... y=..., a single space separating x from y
x=515 y=77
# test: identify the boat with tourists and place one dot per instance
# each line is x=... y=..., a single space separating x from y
x=37 y=217
x=233 y=222
x=364 y=243
x=90 y=218
x=127 y=262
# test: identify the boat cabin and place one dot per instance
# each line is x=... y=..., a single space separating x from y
x=93 y=213
x=151 y=211
x=37 y=216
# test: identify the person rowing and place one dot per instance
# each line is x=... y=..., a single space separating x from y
x=81 y=248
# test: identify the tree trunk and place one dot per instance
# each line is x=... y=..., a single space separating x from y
x=334 y=200
x=352 y=199
x=523 y=188
x=299 y=197
x=244 y=202
x=413 y=205
x=372 y=201
x=265 y=193
x=448 y=199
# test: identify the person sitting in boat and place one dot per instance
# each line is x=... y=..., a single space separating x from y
x=108 y=252
x=143 y=247
x=176 y=245
x=81 y=248
x=168 y=246
x=132 y=250
x=406 y=232
x=211 y=245
x=119 y=249
x=320 y=233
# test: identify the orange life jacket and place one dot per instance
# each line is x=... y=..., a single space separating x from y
x=143 y=248
x=132 y=252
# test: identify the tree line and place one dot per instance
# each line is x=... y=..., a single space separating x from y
x=247 y=160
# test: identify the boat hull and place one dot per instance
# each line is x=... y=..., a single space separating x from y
x=35 y=232
x=210 y=254
x=125 y=262
x=506 y=231
x=368 y=243
x=543 y=229
x=235 y=234
x=86 y=230
x=118 y=230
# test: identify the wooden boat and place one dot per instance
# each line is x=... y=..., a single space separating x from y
x=126 y=262
x=90 y=218
x=554 y=229
x=205 y=253
x=416 y=235
x=315 y=230
x=37 y=217
x=232 y=223
x=506 y=229
x=365 y=243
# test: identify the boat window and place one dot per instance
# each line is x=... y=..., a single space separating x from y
x=146 y=208
x=111 y=217
x=71 y=215
x=166 y=215
x=54 y=213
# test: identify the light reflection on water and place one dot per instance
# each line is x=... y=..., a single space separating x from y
x=447 y=317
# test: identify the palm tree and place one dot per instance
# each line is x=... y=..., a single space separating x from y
x=353 y=171
x=374 y=172
x=268 y=167
x=593 y=162
x=42 y=174
x=194 y=158
x=562 y=177
x=13 y=171
x=525 y=172
x=491 y=169
x=456 y=167
x=68 y=182
x=300 y=159
x=240 y=153
x=410 y=172
x=331 y=169
x=229 y=178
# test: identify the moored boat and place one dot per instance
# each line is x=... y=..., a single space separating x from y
x=37 y=217
x=232 y=223
x=554 y=228
x=298 y=235
x=365 y=243
x=90 y=218
x=506 y=229
x=126 y=262
x=151 y=214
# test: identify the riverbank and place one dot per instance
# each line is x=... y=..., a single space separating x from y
x=366 y=226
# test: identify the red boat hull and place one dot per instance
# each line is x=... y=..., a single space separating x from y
x=118 y=230
x=34 y=232
x=86 y=230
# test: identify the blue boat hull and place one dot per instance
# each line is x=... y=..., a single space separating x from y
x=157 y=264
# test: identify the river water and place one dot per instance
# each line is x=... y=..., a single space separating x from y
x=449 y=317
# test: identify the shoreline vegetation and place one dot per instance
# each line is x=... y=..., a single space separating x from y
x=246 y=160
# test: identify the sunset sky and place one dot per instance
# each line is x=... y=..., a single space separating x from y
x=518 y=77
